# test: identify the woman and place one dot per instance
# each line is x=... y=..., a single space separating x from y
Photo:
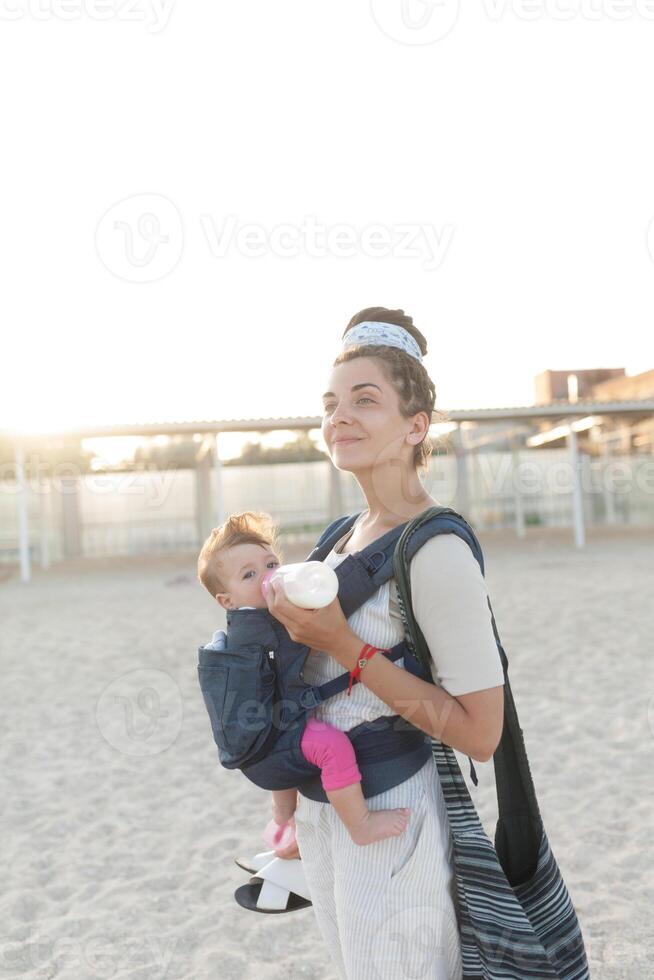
x=388 y=909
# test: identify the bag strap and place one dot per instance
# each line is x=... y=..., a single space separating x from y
x=516 y=795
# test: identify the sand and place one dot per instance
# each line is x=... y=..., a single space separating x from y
x=119 y=827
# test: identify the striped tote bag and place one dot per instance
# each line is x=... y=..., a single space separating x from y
x=516 y=918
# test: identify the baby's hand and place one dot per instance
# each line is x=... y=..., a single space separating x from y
x=218 y=641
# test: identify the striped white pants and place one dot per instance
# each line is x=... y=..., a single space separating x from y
x=385 y=910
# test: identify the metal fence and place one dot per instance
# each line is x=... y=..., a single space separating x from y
x=158 y=511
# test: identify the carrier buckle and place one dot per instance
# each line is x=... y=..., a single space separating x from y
x=373 y=565
x=310 y=697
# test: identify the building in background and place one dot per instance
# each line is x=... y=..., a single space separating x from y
x=618 y=432
x=552 y=385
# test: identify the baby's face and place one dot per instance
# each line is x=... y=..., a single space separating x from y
x=242 y=568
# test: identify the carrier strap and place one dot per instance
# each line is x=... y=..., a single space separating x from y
x=312 y=696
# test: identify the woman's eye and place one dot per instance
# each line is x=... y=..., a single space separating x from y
x=330 y=408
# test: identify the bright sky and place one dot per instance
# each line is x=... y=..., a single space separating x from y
x=197 y=197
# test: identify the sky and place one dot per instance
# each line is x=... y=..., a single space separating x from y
x=197 y=197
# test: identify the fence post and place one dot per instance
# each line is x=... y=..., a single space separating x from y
x=607 y=493
x=517 y=492
x=44 y=515
x=70 y=513
x=202 y=495
x=23 y=525
x=462 y=481
x=219 y=498
x=577 y=503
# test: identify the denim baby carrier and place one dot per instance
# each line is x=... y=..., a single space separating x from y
x=258 y=701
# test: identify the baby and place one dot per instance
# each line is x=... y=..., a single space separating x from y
x=231 y=565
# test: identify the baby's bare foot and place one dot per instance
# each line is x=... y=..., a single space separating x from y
x=378 y=824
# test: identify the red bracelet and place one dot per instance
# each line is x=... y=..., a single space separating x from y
x=367 y=651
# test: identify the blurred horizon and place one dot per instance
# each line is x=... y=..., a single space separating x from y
x=62 y=422
x=113 y=450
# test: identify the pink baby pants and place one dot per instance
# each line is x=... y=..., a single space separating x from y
x=331 y=750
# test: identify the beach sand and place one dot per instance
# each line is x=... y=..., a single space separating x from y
x=119 y=826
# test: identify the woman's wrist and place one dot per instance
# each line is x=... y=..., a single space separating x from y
x=347 y=650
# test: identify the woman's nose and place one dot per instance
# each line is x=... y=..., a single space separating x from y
x=339 y=414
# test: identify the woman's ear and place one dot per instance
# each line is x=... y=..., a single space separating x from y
x=424 y=428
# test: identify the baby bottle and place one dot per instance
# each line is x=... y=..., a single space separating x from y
x=308 y=584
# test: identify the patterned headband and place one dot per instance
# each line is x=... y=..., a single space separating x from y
x=388 y=334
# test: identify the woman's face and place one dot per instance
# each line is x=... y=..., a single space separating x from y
x=361 y=406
